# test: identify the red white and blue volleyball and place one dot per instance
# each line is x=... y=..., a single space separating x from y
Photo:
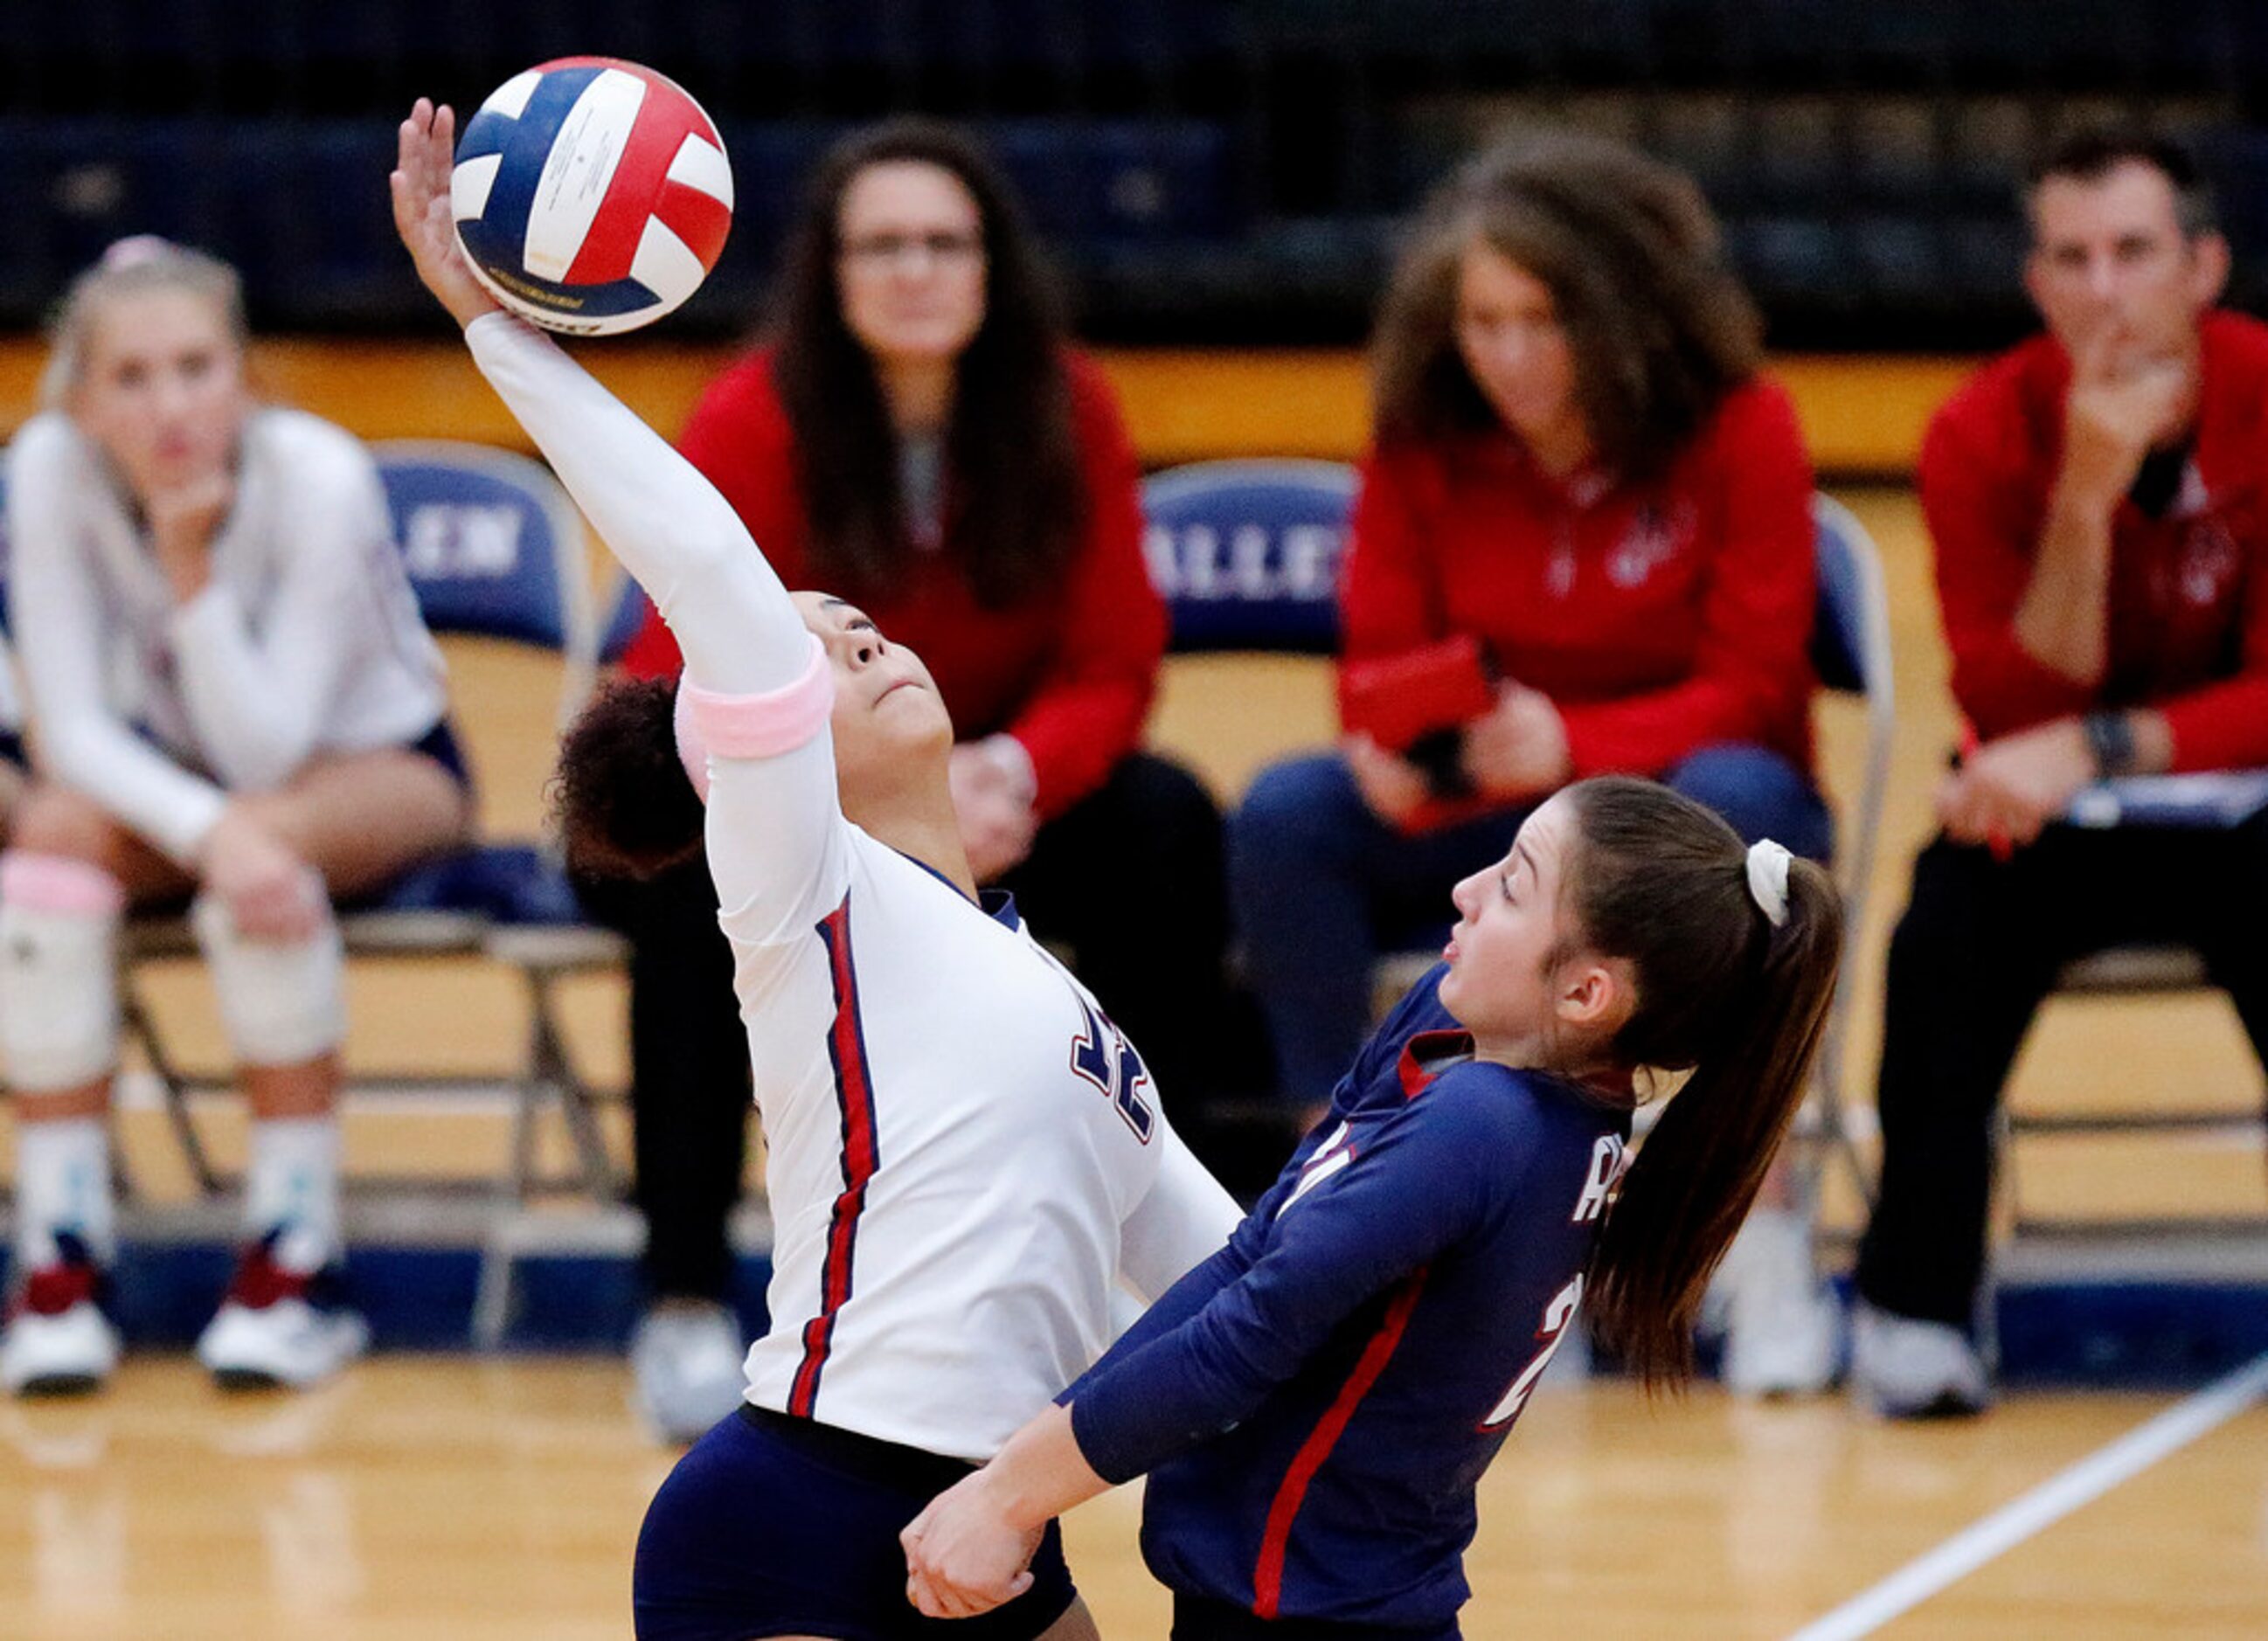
x=592 y=195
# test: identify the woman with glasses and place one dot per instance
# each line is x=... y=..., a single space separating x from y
x=913 y=433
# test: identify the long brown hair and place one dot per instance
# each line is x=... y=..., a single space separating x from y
x=1661 y=881
x=1015 y=496
x=1660 y=328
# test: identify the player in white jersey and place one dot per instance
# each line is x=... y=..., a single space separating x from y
x=231 y=697
x=964 y=1154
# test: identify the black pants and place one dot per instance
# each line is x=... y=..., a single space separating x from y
x=691 y=1093
x=1973 y=958
x=1129 y=878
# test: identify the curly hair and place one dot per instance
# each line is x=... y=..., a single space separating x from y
x=620 y=797
x=1660 y=328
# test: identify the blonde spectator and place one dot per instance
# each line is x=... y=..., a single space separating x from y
x=232 y=703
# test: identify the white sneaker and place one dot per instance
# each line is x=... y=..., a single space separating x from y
x=1782 y=1327
x=686 y=1362
x=278 y=1326
x=57 y=1341
x=1905 y=1368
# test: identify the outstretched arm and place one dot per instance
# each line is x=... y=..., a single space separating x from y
x=775 y=830
x=740 y=631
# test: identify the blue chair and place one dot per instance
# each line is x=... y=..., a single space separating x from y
x=494 y=548
x=1246 y=554
x=2201 y=802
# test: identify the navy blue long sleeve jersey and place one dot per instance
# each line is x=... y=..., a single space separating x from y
x=1316 y=1403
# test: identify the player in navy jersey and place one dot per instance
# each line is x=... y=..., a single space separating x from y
x=964 y=1155
x=1315 y=1404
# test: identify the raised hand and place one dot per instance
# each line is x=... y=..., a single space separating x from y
x=425 y=153
x=2120 y=404
x=183 y=519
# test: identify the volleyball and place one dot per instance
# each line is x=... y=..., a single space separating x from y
x=591 y=196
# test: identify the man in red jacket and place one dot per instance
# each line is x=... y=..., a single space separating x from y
x=2095 y=501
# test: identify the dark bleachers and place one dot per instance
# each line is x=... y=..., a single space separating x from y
x=1210 y=170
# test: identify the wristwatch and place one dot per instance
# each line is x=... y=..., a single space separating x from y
x=2110 y=739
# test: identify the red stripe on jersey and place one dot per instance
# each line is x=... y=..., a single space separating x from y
x=1427 y=1045
x=1268 y=1572
x=854 y=1094
x=664 y=122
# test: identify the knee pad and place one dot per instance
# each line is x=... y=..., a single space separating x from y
x=281 y=1001
x=58 y=970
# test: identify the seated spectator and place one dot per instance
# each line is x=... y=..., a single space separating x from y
x=232 y=701
x=915 y=435
x=1577 y=464
x=2095 y=501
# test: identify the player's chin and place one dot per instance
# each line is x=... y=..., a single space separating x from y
x=915 y=717
x=909 y=697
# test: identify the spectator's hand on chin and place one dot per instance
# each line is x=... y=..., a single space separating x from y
x=2121 y=403
x=183 y=518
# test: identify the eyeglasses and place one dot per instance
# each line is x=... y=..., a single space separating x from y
x=885 y=250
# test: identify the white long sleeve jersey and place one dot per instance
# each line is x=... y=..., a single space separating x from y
x=964 y=1152
x=305 y=639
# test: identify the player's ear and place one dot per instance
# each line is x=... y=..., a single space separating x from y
x=2209 y=273
x=1596 y=994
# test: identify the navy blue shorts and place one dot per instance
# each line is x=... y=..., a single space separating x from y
x=439 y=743
x=772 y=1525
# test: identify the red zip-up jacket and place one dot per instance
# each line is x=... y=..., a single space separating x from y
x=1068 y=672
x=2189 y=590
x=1660 y=618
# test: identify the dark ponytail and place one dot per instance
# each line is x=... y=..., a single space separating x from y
x=620 y=797
x=1662 y=882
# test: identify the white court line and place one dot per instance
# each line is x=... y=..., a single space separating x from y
x=2045 y=1504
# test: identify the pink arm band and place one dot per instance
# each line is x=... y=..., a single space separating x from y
x=58 y=883
x=751 y=726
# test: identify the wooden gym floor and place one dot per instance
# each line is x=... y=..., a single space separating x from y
x=435 y=1498
x=453 y=1497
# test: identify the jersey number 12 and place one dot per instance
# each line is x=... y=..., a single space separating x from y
x=1101 y=1054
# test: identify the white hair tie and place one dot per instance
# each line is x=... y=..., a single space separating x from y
x=1768 y=879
